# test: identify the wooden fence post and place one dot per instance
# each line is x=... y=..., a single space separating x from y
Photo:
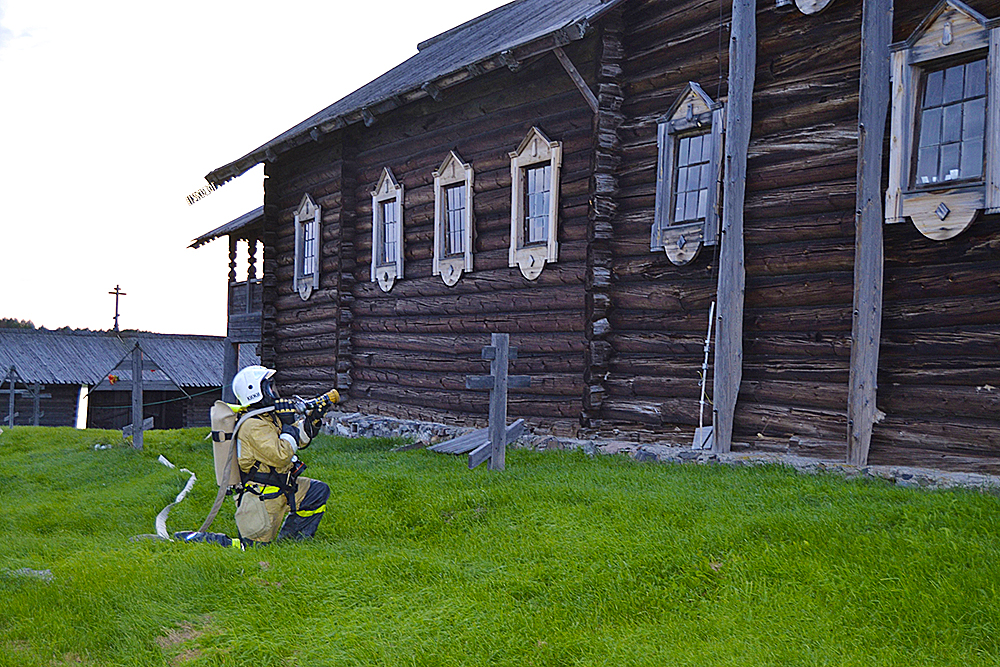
x=10 y=399
x=137 y=396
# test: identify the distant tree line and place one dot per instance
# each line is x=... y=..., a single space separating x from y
x=13 y=323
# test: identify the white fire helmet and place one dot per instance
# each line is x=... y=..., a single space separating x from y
x=249 y=385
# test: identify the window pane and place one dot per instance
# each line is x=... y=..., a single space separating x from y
x=390 y=219
x=682 y=179
x=933 y=88
x=682 y=151
x=930 y=127
x=695 y=155
x=706 y=175
x=927 y=163
x=972 y=159
x=455 y=219
x=953 y=83
x=975 y=79
x=974 y=119
x=691 y=205
x=702 y=203
x=951 y=124
x=949 y=162
x=679 y=209
x=536 y=221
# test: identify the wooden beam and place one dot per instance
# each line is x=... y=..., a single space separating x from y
x=498 y=402
x=732 y=273
x=137 y=396
x=876 y=34
x=575 y=75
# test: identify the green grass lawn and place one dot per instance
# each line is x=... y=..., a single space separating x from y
x=560 y=560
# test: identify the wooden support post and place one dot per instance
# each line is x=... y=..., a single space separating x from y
x=732 y=273
x=137 y=396
x=230 y=361
x=876 y=34
x=498 y=402
x=10 y=399
x=37 y=396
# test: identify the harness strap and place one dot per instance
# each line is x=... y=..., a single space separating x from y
x=223 y=491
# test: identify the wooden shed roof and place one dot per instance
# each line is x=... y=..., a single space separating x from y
x=240 y=226
x=85 y=357
x=500 y=38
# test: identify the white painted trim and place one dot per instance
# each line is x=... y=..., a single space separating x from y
x=387 y=189
x=453 y=170
x=535 y=149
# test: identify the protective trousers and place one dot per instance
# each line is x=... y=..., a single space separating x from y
x=304 y=521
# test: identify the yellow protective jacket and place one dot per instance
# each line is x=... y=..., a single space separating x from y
x=259 y=440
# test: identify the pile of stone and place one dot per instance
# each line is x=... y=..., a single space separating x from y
x=422 y=434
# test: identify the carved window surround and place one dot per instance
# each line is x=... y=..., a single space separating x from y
x=308 y=242
x=387 y=231
x=942 y=199
x=689 y=168
x=527 y=253
x=453 y=246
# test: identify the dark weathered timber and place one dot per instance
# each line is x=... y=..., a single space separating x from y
x=728 y=370
x=137 y=423
x=876 y=33
x=607 y=159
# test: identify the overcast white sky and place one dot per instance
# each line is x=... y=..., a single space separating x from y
x=112 y=112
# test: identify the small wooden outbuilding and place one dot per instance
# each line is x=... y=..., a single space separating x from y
x=84 y=378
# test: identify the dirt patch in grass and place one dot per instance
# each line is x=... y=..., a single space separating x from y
x=176 y=644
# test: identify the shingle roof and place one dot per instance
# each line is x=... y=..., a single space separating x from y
x=85 y=357
x=482 y=44
x=245 y=221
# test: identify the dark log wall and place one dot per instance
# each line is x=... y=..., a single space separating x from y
x=58 y=410
x=939 y=361
x=659 y=312
x=411 y=348
x=301 y=338
x=799 y=231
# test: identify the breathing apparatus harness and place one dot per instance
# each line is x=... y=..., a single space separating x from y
x=291 y=413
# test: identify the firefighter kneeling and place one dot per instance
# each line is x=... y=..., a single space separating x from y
x=268 y=442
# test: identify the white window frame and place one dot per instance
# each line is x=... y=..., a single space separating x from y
x=307 y=224
x=388 y=189
x=535 y=150
x=952 y=33
x=694 y=113
x=452 y=172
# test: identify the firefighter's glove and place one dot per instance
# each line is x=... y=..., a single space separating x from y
x=284 y=408
x=314 y=423
x=303 y=432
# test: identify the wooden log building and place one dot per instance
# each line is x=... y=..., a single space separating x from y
x=591 y=175
x=84 y=378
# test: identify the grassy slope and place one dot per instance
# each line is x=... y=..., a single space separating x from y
x=560 y=560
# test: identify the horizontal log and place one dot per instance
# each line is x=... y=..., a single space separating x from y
x=511 y=301
x=556 y=343
x=404 y=361
x=569 y=385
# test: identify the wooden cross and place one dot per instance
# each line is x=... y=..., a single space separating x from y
x=118 y=292
x=500 y=353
